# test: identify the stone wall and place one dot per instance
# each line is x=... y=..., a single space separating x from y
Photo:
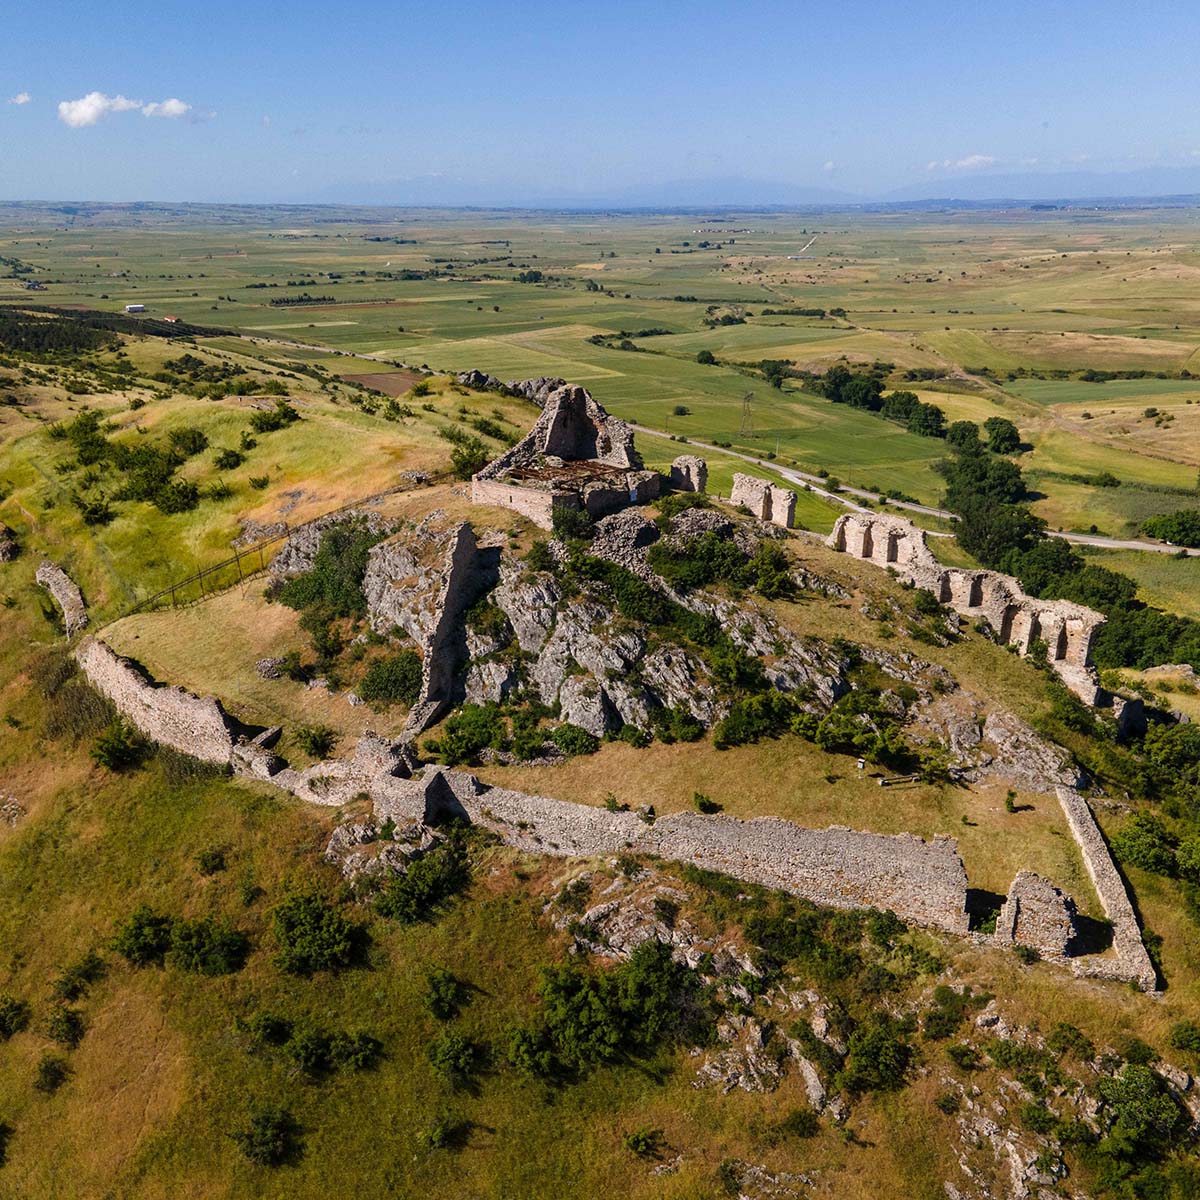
x=1068 y=630
x=689 y=474
x=1037 y=914
x=66 y=595
x=922 y=882
x=194 y=725
x=1131 y=962
x=766 y=501
x=536 y=505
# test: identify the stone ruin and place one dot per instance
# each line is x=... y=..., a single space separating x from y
x=66 y=595
x=766 y=501
x=689 y=474
x=1036 y=914
x=1017 y=619
x=576 y=456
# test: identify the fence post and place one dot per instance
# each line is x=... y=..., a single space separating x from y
x=237 y=555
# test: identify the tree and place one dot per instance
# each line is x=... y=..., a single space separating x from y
x=312 y=935
x=928 y=421
x=963 y=434
x=269 y=1138
x=1003 y=437
x=1181 y=528
x=706 y=358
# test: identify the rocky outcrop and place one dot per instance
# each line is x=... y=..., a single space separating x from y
x=480 y=381
x=536 y=391
x=297 y=553
x=66 y=595
x=689 y=474
x=10 y=548
x=171 y=716
x=764 y=500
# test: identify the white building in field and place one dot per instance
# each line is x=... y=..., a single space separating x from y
x=135 y=308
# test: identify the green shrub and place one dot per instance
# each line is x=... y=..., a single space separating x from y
x=539 y=557
x=227 y=460
x=312 y=935
x=120 y=747
x=269 y=1138
x=282 y=415
x=354 y=1051
x=572 y=740
x=469 y=458
x=1185 y=1035
x=65 y=1026
x=308 y=1048
x=317 y=741
x=178 y=496
x=428 y=883
x=187 y=441
x=259 y=482
x=572 y=523
x=334 y=583
x=51 y=1073
x=1143 y=841
x=211 y=861
x=14 y=1016
x=964 y=1057
x=266 y=1029
x=75 y=980
x=205 y=947
x=645 y=1142
x=877 y=1059
x=704 y=804
x=392 y=680
x=144 y=938
x=445 y=994
x=467 y=733
x=454 y=1057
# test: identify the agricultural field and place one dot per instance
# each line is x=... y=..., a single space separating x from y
x=197 y=962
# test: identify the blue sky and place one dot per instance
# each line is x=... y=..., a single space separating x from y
x=515 y=102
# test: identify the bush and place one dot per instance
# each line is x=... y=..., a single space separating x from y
x=571 y=523
x=120 y=747
x=334 y=583
x=187 y=441
x=1185 y=1035
x=144 y=938
x=572 y=740
x=393 y=680
x=14 y=1016
x=878 y=1058
x=354 y=1051
x=467 y=733
x=444 y=993
x=210 y=862
x=227 y=460
x=706 y=358
x=282 y=415
x=312 y=935
x=317 y=741
x=539 y=557
x=269 y=1138
x=645 y=1142
x=427 y=884
x=51 y=1073
x=469 y=458
x=178 y=496
x=1143 y=841
x=205 y=947
x=454 y=1057
x=75 y=980
x=65 y=1026
x=259 y=482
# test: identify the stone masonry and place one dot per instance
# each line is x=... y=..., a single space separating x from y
x=194 y=725
x=1067 y=629
x=66 y=595
x=1037 y=914
x=689 y=474
x=766 y=501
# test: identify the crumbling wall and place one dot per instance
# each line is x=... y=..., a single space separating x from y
x=194 y=725
x=1132 y=962
x=66 y=595
x=1068 y=630
x=923 y=882
x=536 y=505
x=766 y=501
x=689 y=474
x=1037 y=914
x=574 y=427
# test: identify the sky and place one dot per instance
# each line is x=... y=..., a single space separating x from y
x=365 y=101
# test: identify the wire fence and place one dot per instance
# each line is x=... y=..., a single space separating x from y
x=252 y=560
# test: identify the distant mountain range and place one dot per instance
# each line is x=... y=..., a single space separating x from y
x=1149 y=183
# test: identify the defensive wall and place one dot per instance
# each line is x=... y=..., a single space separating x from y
x=66 y=594
x=766 y=501
x=1068 y=630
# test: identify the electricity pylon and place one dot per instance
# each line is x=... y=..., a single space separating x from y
x=747 y=426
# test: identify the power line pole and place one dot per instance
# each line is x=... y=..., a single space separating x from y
x=746 y=429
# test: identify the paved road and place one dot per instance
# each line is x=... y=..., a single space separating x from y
x=846 y=496
x=849 y=497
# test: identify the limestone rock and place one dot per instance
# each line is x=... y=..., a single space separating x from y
x=10 y=548
x=66 y=595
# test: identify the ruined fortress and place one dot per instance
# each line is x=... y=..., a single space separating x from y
x=576 y=456
x=422 y=580
x=1017 y=619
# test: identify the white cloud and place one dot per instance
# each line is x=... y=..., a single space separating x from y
x=167 y=108
x=972 y=162
x=829 y=166
x=87 y=110
x=21 y=98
